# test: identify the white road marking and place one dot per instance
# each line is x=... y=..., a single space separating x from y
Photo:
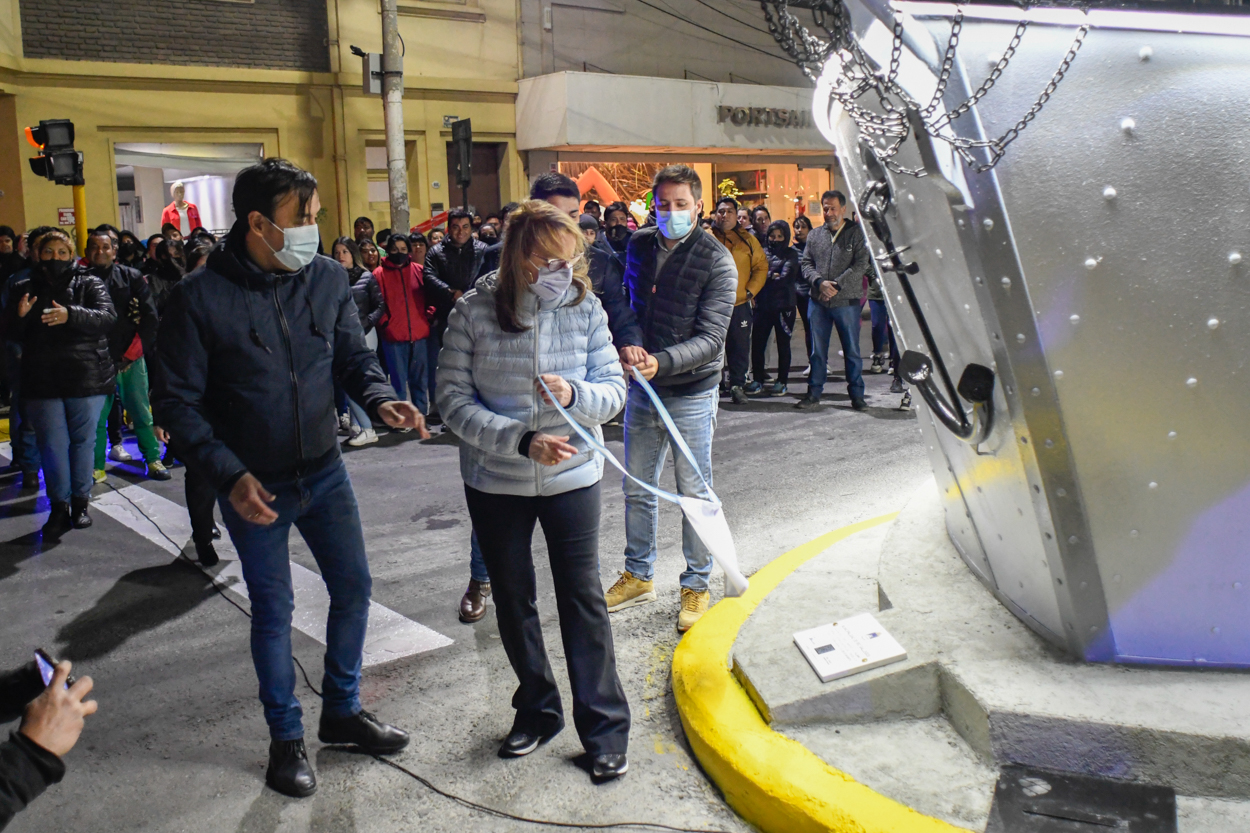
x=391 y=636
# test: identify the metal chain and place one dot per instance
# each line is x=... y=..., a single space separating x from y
x=858 y=78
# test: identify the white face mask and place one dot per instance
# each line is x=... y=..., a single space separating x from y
x=299 y=245
x=552 y=283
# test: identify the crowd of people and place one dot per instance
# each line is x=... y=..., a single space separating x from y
x=251 y=358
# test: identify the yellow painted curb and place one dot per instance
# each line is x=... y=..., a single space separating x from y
x=771 y=781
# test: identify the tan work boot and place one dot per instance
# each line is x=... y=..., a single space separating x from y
x=629 y=591
x=693 y=606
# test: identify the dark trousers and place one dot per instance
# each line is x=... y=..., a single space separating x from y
x=765 y=324
x=570 y=522
x=738 y=345
x=882 y=331
x=807 y=324
x=201 y=497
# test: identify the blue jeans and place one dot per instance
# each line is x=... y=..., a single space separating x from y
x=359 y=415
x=845 y=320
x=882 y=331
x=646 y=443
x=477 y=564
x=433 y=346
x=21 y=432
x=323 y=508
x=406 y=363
x=65 y=431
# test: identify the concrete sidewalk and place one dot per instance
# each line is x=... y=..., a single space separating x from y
x=977 y=691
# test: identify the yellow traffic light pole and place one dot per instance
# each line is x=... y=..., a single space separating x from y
x=80 y=218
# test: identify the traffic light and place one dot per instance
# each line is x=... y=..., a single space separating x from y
x=57 y=159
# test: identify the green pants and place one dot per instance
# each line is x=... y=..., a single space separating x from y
x=133 y=382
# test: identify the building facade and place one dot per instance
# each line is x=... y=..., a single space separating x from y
x=196 y=90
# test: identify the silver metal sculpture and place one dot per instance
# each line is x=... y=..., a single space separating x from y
x=1095 y=455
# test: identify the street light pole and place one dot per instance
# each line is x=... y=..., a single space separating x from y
x=393 y=111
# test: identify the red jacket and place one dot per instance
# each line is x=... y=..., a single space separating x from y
x=404 y=293
x=170 y=215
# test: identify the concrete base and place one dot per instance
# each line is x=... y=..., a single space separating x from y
x=980 y=690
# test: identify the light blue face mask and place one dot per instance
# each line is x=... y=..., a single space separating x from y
x=674 y=224
x=299 y=245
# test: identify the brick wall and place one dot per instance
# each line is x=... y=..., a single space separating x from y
x=264 y=34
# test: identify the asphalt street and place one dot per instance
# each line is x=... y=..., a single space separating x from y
x=179 y=743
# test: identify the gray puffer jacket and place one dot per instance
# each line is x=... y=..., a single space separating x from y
x=844 y=259
x=486 y=389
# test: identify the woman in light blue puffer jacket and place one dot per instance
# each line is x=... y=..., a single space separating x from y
x=535 y=318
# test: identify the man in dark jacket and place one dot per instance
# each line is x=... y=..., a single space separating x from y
x=52 y=720
x=247 y=352
x=453 y=266
x=834 y=262
x=682 y=283
x=130 y=340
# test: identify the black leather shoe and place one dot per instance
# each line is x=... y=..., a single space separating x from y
x=30 y=481
x=607 y=767
x=473 y=603
x=808 y=403
x=78 y=512
x=362 y=730
x=206 y=553
x=216 y=532
x=289 y=771
x=58 y=523
x=518 y=743
x=859 y=404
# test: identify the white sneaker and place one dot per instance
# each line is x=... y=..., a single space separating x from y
x=364 y=437
x=807 y=371
x=119 y=454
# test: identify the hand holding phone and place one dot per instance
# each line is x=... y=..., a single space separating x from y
x=54 y=720
x=47 y=668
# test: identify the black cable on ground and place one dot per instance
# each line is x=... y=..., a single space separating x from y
x=463 y=802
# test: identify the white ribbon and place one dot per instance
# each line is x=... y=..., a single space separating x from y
x=706 y=517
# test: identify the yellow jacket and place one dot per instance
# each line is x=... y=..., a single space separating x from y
x=749 y=257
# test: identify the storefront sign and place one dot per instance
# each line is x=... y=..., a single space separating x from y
x=65 y=216
x=763 y=116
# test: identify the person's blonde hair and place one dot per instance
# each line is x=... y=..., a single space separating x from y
x=46 y=239
x=534 y=228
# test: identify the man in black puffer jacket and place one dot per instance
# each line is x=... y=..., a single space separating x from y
x=247 y=351
x=682 y=284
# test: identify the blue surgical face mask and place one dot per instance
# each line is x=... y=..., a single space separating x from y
x=674 y=224
x=299 y=245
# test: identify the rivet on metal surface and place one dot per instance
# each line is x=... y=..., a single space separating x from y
x=967 y=308
x=938 y=251
x=1171 y=435
x=1061 y=492
x=1010 y=390
x=899 y=298
x=1132 y=533
x=1037 y=489
x=979 y=281
x=1058 y=374
x=1036 y=392
x=1213 y=323
x=1145 y=53
x=1006 y=282
x=1191 y=382
x=1050 y=443
x=1091 y=263
x=1108 y=193
x=1128 y=125
x=1024 y=440
x=1215 y=630
x=960 y=222
x=988 y=223
x=1020 y=338
x=1234 y=257
x=1153 y=485
x=1072 y=539
x=1074 y=318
